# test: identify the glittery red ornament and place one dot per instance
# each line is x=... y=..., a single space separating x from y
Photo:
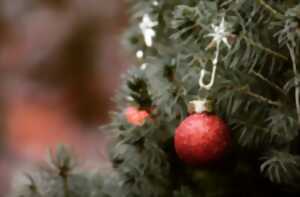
x=135 y=116
x=201 y=138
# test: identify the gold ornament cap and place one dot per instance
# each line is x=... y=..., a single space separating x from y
x=200 y=106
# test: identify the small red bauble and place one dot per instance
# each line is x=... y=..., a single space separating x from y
x=201 y=138
x=135 y=116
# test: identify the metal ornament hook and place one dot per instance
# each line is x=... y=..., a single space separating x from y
x=214 y=69
x=212 y=79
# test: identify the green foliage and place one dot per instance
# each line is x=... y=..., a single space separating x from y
x=138 y=90
x=255 y=85
x=281 y=167
x=140 y=162
x=57 y=179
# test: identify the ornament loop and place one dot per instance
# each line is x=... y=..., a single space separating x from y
x=209 y=85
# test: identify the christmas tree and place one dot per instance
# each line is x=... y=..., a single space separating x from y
x=211 y=109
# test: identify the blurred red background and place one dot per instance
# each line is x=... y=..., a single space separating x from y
x=60 y=64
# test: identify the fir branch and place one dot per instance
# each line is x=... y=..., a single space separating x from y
x=66 y=186
x=242 y=122
x=63 y=173
x=263 y=99
x=260 y=46
x=275 y=86
x=33 y=186
x=246 y=90
x=297 y=88
x=280 y=167
x=272 y=10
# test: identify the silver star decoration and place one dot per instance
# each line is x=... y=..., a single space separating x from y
x=146 y=27
x=220 y=34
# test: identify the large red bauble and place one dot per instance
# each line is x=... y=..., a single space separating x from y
x=136 y=116
x=201 y=138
